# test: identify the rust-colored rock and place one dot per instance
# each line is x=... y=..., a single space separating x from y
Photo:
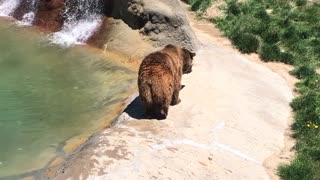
x=50 y=14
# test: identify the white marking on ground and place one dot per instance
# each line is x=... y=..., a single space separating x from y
x=213 y=146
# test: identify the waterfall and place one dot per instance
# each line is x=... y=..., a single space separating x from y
x=7 y=7
x=82 y=19
x=28 y=18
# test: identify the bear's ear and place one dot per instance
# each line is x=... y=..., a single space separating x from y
x=192 y=54
x=170 y=46
x=189 y=52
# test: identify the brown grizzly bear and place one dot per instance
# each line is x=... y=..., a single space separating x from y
x=159 y=79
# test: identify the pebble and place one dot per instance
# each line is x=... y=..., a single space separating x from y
x=157 y=31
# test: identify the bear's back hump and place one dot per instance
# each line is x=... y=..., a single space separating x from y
x=157 y=62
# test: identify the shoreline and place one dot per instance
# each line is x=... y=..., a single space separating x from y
x=68 y=147
x=71 y=147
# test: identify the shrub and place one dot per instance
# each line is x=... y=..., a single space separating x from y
x=303 y=71
x=301 y=2
x=270 y=36
x=299 y=169
x=232 y=8
x=200 y=5
x=287 y=58
x=269 y=52
x=247 y=43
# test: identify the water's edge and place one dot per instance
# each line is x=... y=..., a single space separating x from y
x=94 y=137
x=85 y=138
x=62 y=157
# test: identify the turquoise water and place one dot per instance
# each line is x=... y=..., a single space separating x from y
x=49 y=95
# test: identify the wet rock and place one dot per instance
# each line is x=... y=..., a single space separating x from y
x=130 y=11
x=49 y=14
x=25 y=7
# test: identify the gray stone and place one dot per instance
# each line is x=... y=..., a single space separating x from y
x=165 y=18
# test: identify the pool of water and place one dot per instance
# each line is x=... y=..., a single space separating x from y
x=49 y=95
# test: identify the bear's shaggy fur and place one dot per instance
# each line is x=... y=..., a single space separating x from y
x=159 y=79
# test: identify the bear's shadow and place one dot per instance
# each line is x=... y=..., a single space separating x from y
x=136 y=109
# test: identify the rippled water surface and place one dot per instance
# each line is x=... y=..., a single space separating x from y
x=49 y=95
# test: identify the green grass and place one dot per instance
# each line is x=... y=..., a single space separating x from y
x=285 y=31
x=199 y=5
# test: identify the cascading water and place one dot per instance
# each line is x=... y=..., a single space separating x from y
x=28 y=18
x=7 y=7
x=82 y=18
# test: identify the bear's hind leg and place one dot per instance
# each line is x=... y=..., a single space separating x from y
x=163 y=112
x=175 y=97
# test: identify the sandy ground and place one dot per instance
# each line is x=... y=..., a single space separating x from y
x=232 y=123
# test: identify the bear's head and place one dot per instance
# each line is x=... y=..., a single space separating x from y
x=185 y=56
x=187 y=60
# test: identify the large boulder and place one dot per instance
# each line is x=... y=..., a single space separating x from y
x=162 y=21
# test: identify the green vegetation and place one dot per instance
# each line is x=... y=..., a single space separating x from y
x=199 y=5
x=285 y=31
x=288 y=31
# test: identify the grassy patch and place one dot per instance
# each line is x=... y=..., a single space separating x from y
x=200 y=5
x=285 y=31
x=246 y=42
